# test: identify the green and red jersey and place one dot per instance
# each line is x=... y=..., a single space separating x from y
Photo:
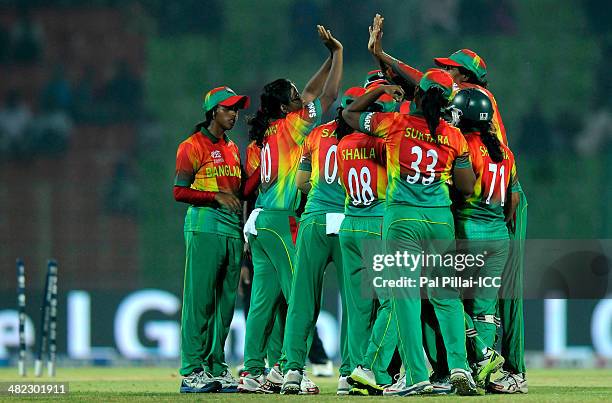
x=418 y=165
x=362 y=168
x=209 y=164
x=253 y=158
x=494 y=180
x=280 y=157
x=320 y=157
x=498 y=124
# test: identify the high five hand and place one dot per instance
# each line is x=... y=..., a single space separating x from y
x=329 y=41
x=375 y=41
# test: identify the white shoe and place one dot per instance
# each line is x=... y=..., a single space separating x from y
x=308 y=387
x=199 y=382
x=510 y=383
x=363 y=378
x=291 y=382
x=343 y=386
x=399 y=388
x=274 y=381
x=441 y=385
x=229 y=384
x=249 y=383
x=324 y=370
x=396 y=387
x=463 y=382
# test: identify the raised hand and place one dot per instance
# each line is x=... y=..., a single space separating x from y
x=328 y=39
x=375 y=41
x=395 y=91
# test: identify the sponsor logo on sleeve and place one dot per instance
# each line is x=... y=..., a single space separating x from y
x=367 y=121
x=312 y=110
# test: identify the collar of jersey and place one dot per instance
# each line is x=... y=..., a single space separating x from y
x=214 y=139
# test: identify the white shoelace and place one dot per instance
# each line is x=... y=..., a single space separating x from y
x=400 y=382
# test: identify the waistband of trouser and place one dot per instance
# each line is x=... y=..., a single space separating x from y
x=398 y=206
x=278 y=212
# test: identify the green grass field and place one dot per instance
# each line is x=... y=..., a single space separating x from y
x=161 y=384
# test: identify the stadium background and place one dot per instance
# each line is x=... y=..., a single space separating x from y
x=96 y=95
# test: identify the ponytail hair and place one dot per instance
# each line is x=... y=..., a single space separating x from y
x=208 y=117
x=343 y=128
x=432 y=102
x=491 y=141
x=274 y=95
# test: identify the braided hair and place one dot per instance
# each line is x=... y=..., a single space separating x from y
x=343 y=128
x=432 y=103
x=490 y=141
x=274 y=94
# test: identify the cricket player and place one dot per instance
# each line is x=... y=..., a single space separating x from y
x=481 y=222
x=372 y=332
x=469 y=70
x=208 y=178
x=283 y=121
x=423 y=152
x=317 y=246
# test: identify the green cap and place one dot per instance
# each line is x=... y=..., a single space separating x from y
x=350 y=95
x=224 y=96
x=467 y=59
x=374 y=77
x=437 y=78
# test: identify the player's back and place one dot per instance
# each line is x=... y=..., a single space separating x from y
x=419 y=164
x=486 y=204
x=280 y=157
x=362 y=168
x=321 y=151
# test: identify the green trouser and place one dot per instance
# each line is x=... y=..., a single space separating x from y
x=371 y=328
x=489 y=240
x=431 y=231
x=212 y=270
x=382 y=343
x=407 y=229
x=275 y=341
x=510 y=310
x=433 y=344
x=315 y=251
x=273 y=255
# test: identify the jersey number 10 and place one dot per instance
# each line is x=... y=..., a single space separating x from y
x=266 y=163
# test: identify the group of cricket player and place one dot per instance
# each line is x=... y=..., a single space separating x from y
x=413 y=163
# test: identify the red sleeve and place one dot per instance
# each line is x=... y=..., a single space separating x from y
x=252 y=183
x=192 y=196
x=407 y=72
x=186 y=165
